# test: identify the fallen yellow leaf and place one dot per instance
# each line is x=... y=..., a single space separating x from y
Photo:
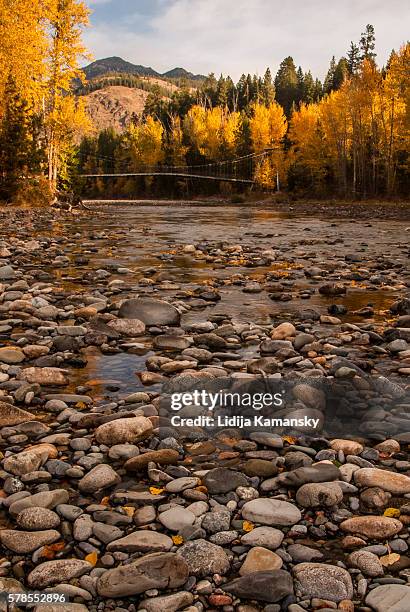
x=392 y=512
x=156 y=490
x=92 y=558
x=49 y=551
x=247 y=526
x=129 y=510
x=289 y=439
x=389 y=559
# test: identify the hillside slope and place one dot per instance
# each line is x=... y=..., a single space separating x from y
x=115 y=90
x=114 y=106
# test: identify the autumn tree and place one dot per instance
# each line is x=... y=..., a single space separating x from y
x=144 y=143
x=230 y=134
x=63 y=116
x=23 y=49
x=308 y=151
x=267 y=127
x=196 y=130
x=393 y=109
x=176 y=150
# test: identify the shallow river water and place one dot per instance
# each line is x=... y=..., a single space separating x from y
x=144 y=238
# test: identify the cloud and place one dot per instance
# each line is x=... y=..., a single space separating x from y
x=235 y=36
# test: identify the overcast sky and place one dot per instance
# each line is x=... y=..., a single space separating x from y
x=235 y=36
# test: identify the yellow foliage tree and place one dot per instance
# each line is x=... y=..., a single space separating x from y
x=196 y=129
x=267 y=127
x=66 y=20
x=394 y=115
x=265 y=174
x=214 y=132
x=336 y=126
x=230 y=133
x=23 y=48
x=308 y=148
x=144 y=143
x=176 y=150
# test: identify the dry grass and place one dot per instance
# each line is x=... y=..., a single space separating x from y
x=34 y=193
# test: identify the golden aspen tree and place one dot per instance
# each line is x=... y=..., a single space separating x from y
x=66 y=21
x=394 y=116
x=308 y=148
x=336 y=125
x=23 y=48
x=222 y=129
x=144 y=143
x=358 y=117
x=213 y=127
x=230 y=133
x=214 y=133
x=268 y=126
x=370 y=82
x=176 y=150
x=196 y=129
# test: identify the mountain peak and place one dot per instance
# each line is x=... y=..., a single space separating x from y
x=115 y=64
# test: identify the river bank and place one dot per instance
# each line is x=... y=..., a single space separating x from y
x=335 y=209
x=103 y=317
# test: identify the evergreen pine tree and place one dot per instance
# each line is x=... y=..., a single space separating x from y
x=222 y=92
x=241 y=92
x=249 y=90
x=309 y=89
x=318 y=90
x=353 y=58
x=256 y=88
x=210 y=90
x=301 y=84
x=231 y=94
x=341 y=73
x=19 y=152
x=268 y=88
x=367 y=44
x=286 y=85
x=328 y=84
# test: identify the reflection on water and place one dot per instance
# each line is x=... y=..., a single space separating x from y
x=108 y=375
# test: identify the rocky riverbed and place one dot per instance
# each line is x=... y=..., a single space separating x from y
x=105 y=314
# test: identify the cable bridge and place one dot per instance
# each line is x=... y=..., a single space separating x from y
x=240 y=170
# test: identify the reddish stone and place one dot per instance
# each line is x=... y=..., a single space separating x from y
x=219 y=600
